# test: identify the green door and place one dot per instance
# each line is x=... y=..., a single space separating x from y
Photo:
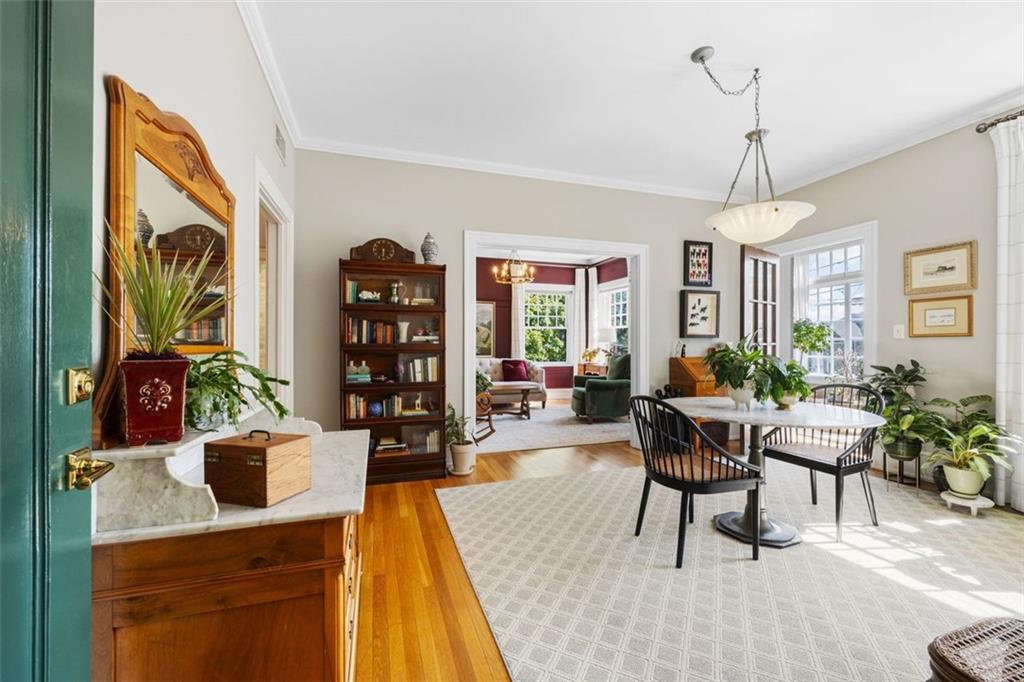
x=45 y=328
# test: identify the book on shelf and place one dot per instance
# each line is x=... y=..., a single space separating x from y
x=415 y=413
x=205 y=329
x=359 y=331
x=359 y=407
x=426 y=338
x=422 y=370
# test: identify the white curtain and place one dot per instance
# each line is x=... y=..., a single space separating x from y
x=579 y=317
x=1008 y=139
x=593 y=307
x=519 y=321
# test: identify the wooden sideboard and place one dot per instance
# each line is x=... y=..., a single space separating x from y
x=690 y=375
x=271 y=602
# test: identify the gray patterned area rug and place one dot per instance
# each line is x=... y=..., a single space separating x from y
x=571 y=594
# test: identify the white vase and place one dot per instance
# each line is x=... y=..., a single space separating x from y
x=965 y=483
x=743 y=396
x=463 y=459
x=403 y=332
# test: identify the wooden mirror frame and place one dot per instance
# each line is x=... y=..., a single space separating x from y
x=174 y=147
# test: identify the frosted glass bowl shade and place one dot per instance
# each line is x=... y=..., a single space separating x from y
x=759 y=222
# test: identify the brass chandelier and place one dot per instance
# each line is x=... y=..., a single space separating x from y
x=760 y=221
x=514 y=271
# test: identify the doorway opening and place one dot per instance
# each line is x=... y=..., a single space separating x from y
x=576 y=335
x=268 y=305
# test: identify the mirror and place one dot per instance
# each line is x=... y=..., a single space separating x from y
x=171 y=221
x=164 y=188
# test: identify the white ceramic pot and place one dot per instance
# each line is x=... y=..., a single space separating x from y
x=965 y=483
x=463 y=459
x=788 y=400
x=403 y=331
x=743 y=396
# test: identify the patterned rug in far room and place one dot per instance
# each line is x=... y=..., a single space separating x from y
x=551 y=427
x=571 y=594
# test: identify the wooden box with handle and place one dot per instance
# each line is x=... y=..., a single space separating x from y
x=259 y=469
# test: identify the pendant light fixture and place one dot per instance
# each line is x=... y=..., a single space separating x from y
x=760 y=221
x=514 y=271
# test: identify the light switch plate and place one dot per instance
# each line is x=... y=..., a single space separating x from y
x=899 y=331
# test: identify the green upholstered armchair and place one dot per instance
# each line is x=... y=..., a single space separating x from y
x=606 y=396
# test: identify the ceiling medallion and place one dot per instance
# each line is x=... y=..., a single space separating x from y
x=760 y=221
x=514 y=271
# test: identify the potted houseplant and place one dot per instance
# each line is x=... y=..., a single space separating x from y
x=462 y=447
x=810 y=337
x=483 y=382
x=785 y=381
x=967 y=456
x=219 y=386
x=907 y=426
x=165 y=298
x=735 y=367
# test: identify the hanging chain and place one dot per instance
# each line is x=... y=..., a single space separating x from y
x=759 y=154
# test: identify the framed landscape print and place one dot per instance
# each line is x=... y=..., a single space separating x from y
x=484 y=329
x=698 y=314
x=697 y=263
x=952 y=316
x=953 y=267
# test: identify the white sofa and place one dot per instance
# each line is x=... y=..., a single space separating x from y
x=492 y=368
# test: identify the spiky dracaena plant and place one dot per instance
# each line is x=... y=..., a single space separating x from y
x=165 y=297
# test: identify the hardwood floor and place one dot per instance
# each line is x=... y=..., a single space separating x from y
x=419 y=618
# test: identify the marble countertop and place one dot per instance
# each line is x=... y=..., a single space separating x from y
x=338 y=489
x=806 y=415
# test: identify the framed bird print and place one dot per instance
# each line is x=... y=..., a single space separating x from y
x=698 y=314
x=697 y=263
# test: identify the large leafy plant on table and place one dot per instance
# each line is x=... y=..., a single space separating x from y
x=165 y=298
x=785 y=381
x=220 y=386
x=908 y=426
x=736 y=368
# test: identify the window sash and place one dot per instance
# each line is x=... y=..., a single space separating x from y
x=820 y=293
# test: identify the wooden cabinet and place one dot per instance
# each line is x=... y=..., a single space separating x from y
x=271 y=602
x=392 y=380
x=690 y=375
x=591 y=369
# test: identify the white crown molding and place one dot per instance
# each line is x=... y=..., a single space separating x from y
x=990 y=108
x=390 y=154
x=253 y=23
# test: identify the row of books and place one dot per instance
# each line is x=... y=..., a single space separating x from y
x=363 y=407
x=424 y=443
x=422 y=369
x=369 y=331
x=206 y=329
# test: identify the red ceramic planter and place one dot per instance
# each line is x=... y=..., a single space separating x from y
x=153 y=392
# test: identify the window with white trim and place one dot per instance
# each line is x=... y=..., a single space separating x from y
x=615 y=304
x=547 y=320
x=829 y=288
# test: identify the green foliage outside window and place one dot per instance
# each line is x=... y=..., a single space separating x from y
x=546 y=327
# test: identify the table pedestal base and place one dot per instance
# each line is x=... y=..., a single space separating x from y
x=773 y=533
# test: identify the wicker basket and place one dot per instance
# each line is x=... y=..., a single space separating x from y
x=991 y=650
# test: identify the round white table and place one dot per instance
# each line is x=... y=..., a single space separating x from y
x=774 y=533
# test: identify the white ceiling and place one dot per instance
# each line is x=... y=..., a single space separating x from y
x=605 y=94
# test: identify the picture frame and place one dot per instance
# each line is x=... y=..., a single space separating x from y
x=698 y=262
x=951 y=267
x=484 y=329
x=941 y=317
x=699 y=313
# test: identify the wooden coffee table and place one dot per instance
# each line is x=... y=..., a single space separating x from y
x=520 y=410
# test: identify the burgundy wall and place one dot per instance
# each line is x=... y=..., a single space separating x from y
x=611 y=270
x=559 y=376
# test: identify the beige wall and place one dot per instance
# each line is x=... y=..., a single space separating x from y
x=342 y=201
x=934 y=193
x=195 y=60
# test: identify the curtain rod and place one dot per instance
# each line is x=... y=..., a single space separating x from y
x=984 y=126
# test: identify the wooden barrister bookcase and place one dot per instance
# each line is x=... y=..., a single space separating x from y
x=690 y=375
x=392 y=364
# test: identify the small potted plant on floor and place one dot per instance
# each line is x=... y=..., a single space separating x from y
x=220 y=386
x=967 y=456
x=462 y=447
x=165 y=299
x=785 y=380
x=736 y=367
